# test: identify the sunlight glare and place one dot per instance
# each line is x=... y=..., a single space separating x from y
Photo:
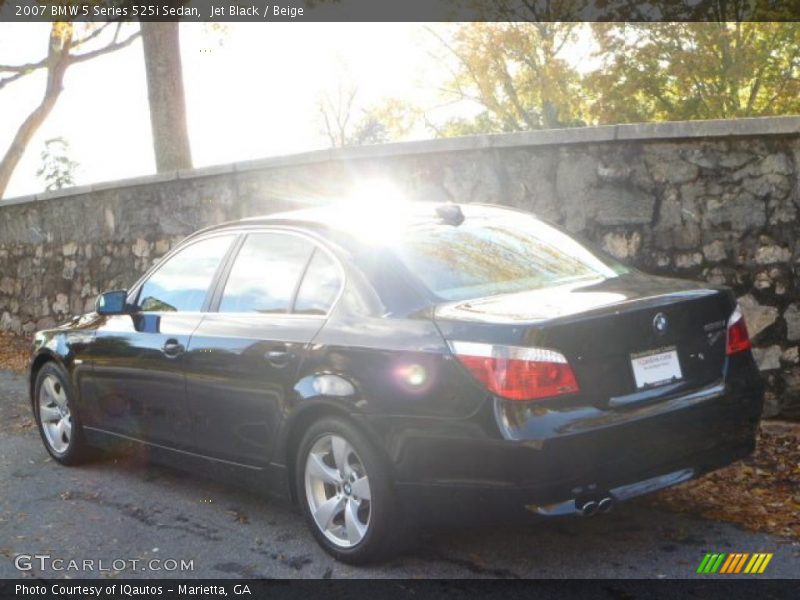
x=378 y=207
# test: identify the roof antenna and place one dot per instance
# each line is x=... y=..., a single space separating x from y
x=450 y=213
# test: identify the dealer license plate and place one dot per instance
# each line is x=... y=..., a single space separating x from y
x=656 y=367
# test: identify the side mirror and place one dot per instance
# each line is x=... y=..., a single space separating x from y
x=112 y=303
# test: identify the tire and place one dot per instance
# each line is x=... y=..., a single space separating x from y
x=55 y=410
x=360 y=529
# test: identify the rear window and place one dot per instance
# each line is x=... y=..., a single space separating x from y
x=488 y=255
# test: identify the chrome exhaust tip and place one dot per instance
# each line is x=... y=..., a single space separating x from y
x=605 y=505
x=588 y=509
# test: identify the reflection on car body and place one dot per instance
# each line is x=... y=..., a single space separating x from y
x=359 y=362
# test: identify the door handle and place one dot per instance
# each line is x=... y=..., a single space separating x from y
x=279 y=358
x=172 y=348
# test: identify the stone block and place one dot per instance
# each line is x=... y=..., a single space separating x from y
x=769 y=358
x=757 y=316
x=792 y=317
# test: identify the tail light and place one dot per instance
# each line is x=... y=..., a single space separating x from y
x=738 y=337
x=517 y=373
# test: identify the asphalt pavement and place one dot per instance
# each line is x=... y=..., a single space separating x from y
x=129 y=518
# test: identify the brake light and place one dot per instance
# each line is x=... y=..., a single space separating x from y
x=738 y=337
x=517 y=373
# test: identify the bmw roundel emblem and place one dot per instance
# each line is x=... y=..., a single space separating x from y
x=660 y=323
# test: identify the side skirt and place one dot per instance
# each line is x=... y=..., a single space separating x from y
x=271 y=480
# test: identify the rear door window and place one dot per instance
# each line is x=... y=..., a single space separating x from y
x=266 y=273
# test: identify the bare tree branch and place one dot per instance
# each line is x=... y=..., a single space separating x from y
x=24 y=69
x=113 y=47
x=91 y=35
x=28 y=68
x=5 y=81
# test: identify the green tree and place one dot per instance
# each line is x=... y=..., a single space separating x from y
x=680 y=71
x=57 y=169
x=518 y=74
x=386 y=121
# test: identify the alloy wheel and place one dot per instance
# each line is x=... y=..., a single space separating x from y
x=338 y=491
x=54 y=414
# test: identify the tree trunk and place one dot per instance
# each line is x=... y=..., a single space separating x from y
x=24 y=134
x=58 y=61
x=162 y=59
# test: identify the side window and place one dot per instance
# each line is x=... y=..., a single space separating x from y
x=182 y=282
x=320 y=286
x=265 y=275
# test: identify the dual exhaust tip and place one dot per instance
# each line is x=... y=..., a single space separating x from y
x=589 y=508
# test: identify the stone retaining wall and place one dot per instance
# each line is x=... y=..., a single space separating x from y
x=713 y=200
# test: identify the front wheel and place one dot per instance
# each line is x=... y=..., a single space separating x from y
x=345 y=492
x=56 y=416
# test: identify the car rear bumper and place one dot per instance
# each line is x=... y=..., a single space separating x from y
x=633 y=451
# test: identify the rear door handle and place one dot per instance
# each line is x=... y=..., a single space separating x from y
x=279 y=358
x=172 y=348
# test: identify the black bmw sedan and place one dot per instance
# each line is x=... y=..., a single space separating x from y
x=355 y=361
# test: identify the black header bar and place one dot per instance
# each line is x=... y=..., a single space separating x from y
x=262 y=589
x=196 y=11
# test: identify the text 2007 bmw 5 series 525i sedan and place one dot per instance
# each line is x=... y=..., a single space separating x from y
x=352 y=361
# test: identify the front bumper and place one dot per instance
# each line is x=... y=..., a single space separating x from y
x=629 y=450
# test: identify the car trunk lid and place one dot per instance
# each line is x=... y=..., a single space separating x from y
x=609 y=330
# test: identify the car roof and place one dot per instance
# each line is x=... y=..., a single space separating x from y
x=347 y=218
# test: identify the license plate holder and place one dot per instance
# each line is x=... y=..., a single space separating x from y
x=653 y=368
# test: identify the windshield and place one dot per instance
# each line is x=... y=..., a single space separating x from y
x=498 y=254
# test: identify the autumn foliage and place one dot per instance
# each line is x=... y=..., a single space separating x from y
x=761 y=493
x=535 y=75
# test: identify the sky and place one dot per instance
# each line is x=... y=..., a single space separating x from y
x=251 y=92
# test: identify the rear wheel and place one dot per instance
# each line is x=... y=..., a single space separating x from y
x=54 y=409
x=345 y=492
